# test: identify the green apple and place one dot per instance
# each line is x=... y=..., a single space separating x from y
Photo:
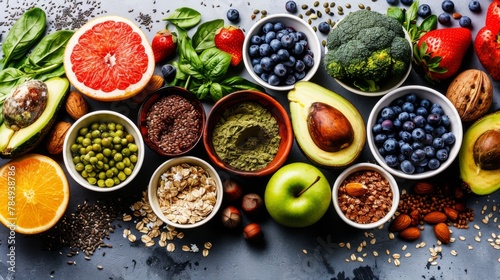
x=297 y=195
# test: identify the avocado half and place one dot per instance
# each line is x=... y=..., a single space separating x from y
x=301 y=98
x=480 y=181
x=16 y=143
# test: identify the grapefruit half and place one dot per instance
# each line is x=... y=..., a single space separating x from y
x=109 y=58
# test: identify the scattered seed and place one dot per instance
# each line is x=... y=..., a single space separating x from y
x=359 y=259
x=348 y=245
x=477 y=238
x=99 y=267
x=407 y=255
x=434 y=263
x=71 y=262
x=353 y=257
x=404 y=247
x=476 y=227
x=170 y=247
x=454 y=252
x=185 y=248
x=348 y=5
x=127 y=218
x=391 y=236
x=208 y=245
x=316 y=3
x=470 y=247
x=361 y=6
x=304 y=251
x=132 y=238
x=305 y=7
x=341 y=244
x=397 y=262
x=373 y=241
x=375 y=253
x=396 y=256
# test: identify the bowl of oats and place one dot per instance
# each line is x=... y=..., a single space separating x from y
x=185 y=192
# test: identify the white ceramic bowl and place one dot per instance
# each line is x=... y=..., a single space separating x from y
x=366 y=167
x=155 y=182
x=85 y=121
x=289 y=21
x=435 y=97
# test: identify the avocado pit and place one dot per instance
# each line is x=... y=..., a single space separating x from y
x=486 y=150
x=25 y=104
x=330 y=130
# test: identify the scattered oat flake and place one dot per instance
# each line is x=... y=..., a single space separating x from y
x=304 y=251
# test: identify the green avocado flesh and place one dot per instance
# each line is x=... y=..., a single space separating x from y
x=480 y=181
x=301 y=98
x=15 y=143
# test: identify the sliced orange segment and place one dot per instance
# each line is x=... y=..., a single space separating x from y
x=34 y=193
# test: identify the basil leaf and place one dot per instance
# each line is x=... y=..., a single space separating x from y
x=216 y=63
x=203 y=91
x=215 y=91
x=203 y=38
x=9 y=79
x=189 y=62
x=184 y=17
x=397 y=14
x=23 y=35
x=428 y=24
x=236 y=83
x=51 y=48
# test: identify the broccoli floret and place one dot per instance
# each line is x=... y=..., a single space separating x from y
x=366 y=47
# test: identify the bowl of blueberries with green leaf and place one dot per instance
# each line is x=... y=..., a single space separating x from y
x=280 y=50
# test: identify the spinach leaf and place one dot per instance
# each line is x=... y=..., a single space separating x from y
x=25 y=32
x=9 y=79
x=238 y=83
x=397 y=14
x=215 y=63
x=184 y=17
x=203 y=38
x=50 y=50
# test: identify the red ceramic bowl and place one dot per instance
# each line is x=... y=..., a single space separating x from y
x=276 y=110
x=152 y=99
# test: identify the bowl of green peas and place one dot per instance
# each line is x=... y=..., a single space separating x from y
x=103 y=151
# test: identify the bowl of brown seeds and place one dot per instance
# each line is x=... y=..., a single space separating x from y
x=365 y=195
x=171 y=121
x=185 y=192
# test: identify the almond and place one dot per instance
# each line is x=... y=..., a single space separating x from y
x=423 y=188
x=415 y=217
x=76 y=105
x=451 y=213
x=401 y=222
x=356 y=189
x=410 y=234
x=442 y=233
x=55 y=141
x=460 y=207
x=435 y=217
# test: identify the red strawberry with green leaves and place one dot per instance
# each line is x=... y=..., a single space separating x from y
x=164 y=45
x=439 y=53
x=487 y=42
x=230 y=39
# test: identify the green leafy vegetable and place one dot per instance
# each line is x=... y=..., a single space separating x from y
x=184 y=17
x=50 y=50
x=408 y=18
x=204 y=37
x=216 y=63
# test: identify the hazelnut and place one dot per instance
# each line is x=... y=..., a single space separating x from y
x=252 y=204
x=231 y=217
x=232 y=190
x=330 y=130
x=253 y=232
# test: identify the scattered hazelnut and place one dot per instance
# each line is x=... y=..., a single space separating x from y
x=231 y=217
x=253 y=232
x=252 y=204
x=232 y=190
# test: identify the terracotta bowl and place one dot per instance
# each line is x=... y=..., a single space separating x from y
x=155 y=97
x=276 y=110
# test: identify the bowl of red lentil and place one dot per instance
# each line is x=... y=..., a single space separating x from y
x=365 y=196
x=171 y=121
x=248 y=133
x=185 y=192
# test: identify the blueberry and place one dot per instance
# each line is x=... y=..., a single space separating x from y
x=418 y=134
x=419 y=121
x=380 y=138
x=287 y=41
x=408 y=107
x=407 y=167
x=417 y=145
x=300 y=75
x=387 y=125
x=433 y=164
x=436 y=109
x=377 y=128
x=274 y=80
x=445 y=120
x=419 y=168
x=438 y=143
x=426 y=103
x=428 y=139
x=381 y=151
x=434 y=119
x=397 y=124
x=324 y=27
x=275 y=58
x=408 y=126
x=465 y=21
x=406 y=149
x=474 y=6
x=290 y=80
x=270 y=36
x=265 y=50
x=304 y=43
x=267 y=27
x=279 y=26
x=255 y=40
x=405 y=136
x=300 y=66
x=417 y=155
x=308 y=60
x=300 y=35
x=397 y=110
x=391 y=160
x=424 y=10
x=440 y=130
x=401 y=158
x=444 y=19
x=298 y=48
x=403 y=116
x=429 y=128
x=257 y=69
x=254 y=50
x=387 y=113
x=168 y=71
x=421 y=111
x=291 y=7
x=265 y=76
x=291 y=61
x=442 y=154
x=283 y=54
x=233 y=15
x=448 y=6
x=266 y=63
x=390 y=145
x=392 y=2
x=411 y=97
x=275 y=44
x=429 y=151
x=280 y=70
x=256 y=60
x=406 y=2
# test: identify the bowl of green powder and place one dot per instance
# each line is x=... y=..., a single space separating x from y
x=248 y=133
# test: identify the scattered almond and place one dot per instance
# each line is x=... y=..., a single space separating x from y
x=442 y=233
x=355 y=189
x=55 y=141
x=424 y=188
x=401 y=222
x=410 y=234
x=451 y=213
x=76 y=105
x=435 y=217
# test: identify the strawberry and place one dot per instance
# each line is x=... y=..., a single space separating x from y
x=440 y=52
x=230 y=39
x=164 y=45
x=487 y=42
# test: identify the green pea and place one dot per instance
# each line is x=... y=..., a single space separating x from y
x=118 y=147
x=105 y=134
x=130 y=138
x=93 y=160
x=79 y=167
x=106 y=152
x=124 y=142
x=91 y=153
x=109 y=182
x=117 y=180
x=101 y=183
x=111 y=126
x=99 y=156
x=103 y=127
x=88 y=149
x=89 y=168
x=105 y=142
x=88 y=135
x=122 y=176
x=101 y=175
x=120 y=165
x=99 y=165
x=115 y=170
x=106 y=167
x=76 y=160
x=97 y=141
x=86 y=142
x=82 y=151
x=133 y=158
x=92 y=174
x=116 y=140
x=127 y=171
x=109 y=173
x=96 y=133
x=79 y=139
x=85 y=174
x=94 y=126
x=119 y=126
x=111 y=163
x=119 y=133
x=83 y=131
x=133 y=148
x=118 y=157
x=126 y=161
x=92 y=180
x=96 y=147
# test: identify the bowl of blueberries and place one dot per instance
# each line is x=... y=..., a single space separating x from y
x=280 y=50
x=414 y=132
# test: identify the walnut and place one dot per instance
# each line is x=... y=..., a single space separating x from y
x=76 y=105
x=55 y=140
x=471 y=92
